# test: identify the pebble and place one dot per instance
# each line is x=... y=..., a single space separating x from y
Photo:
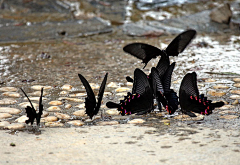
x=49 y=119
x=108 y=123
x=219 y=86
x=235 y=102
x=229 y=117
x=11 y=94
x=221 y=14
x=67 y=87
x=226 y=107
x=129 y=84
x=76 y=122
x=5 y=115
x=4 y=124
x=12 y=111
x=136 y=121
x=235 y=91
x=22 y=119
x=64 y=93
x=187 y=118
x=215 y=93
x=107 y=93
x=8 y=89
x=80 y=113
x=53 y=109
x=55 y=102
x=39 y=87
x=237 y=85
x=71 y=99
x=35 y=98
x=112 y=112
x=45 y=114
x=68 y=106
x=81 y=106
x=38 y=93
x=78 y=95
x=210 y=80
x=15 y=126
x=236 y=79
x=54 y=124
x=122 y=89
x=122 y=94
x=94 y=86
x=226 y=112
x=235 y=97
x=113 y=85
x=8 y=101
x=177 y=82
x=25 y=104
x=62 y=116
x=121 y=117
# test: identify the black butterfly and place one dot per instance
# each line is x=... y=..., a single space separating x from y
x=140 y=101
x=31 y=112
x=146 y=52
x=190 y=100
x=91 y=106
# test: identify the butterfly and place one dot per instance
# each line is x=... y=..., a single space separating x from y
x=140 y=101
x=190 y=100
x=31 y=112
x=146 y=52
x=91 y=106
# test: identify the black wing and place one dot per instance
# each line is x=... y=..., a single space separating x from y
x=166 y=80
x=180 y=43
x=31 y=112
x=100 y=94
x=40 y=112
x=163 y=65
x=90 y=101
x=190 y=100
x=129 y=79
x=143 y=51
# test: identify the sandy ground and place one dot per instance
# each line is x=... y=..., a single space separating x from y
x=121 y=144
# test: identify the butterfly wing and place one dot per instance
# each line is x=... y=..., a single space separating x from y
x=166 y=80
x=90 y=101
x=100 y=94
x=143 y=51
x=180 y=42
x=31 y=112
x=40 y=112
x=163 y=65
x=129 y=79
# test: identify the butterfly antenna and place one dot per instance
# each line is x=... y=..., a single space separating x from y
x=145 y=65
x=27 y=98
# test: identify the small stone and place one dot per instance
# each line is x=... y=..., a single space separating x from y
x=80 y=113
x=221 y=14
x=237 y=85
x=112 y=112
x=64 y=93
x=38 y=93
x=226 y=107
x=177 y=82
x=215 y=93
x=107 y=93
x=113 y=85
x=4 y=124
x=55 y=102
x=76 y=122
x=49 y=119
x=188 y=118
x=89 y=120
x=235 y=91
x=68 y=106
x=62 y=116
x=94 y=86
x=35 y=98
x=15 y=126
x=53 y=109
x=11 y=94
x=54 y=124
x=236 y=79
x=39 y=87
x=129 y=84
x=25 y=104
x=122 y=89
x=108 y=123
x=165 y=121
x=235 y=97
x=227 y=112
x=136 y=121
x=81 y=106
x=8 y=89
x=22 y=119
x=12 y=111
x=235 y=102
x=122 y=94
x=67 y=87
x=5 y=115
x=219 y=86
x=78 y=95
x=8 y=101
x=210 y=80
x=71 y=99
x=45 y=114
x=229 y=117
